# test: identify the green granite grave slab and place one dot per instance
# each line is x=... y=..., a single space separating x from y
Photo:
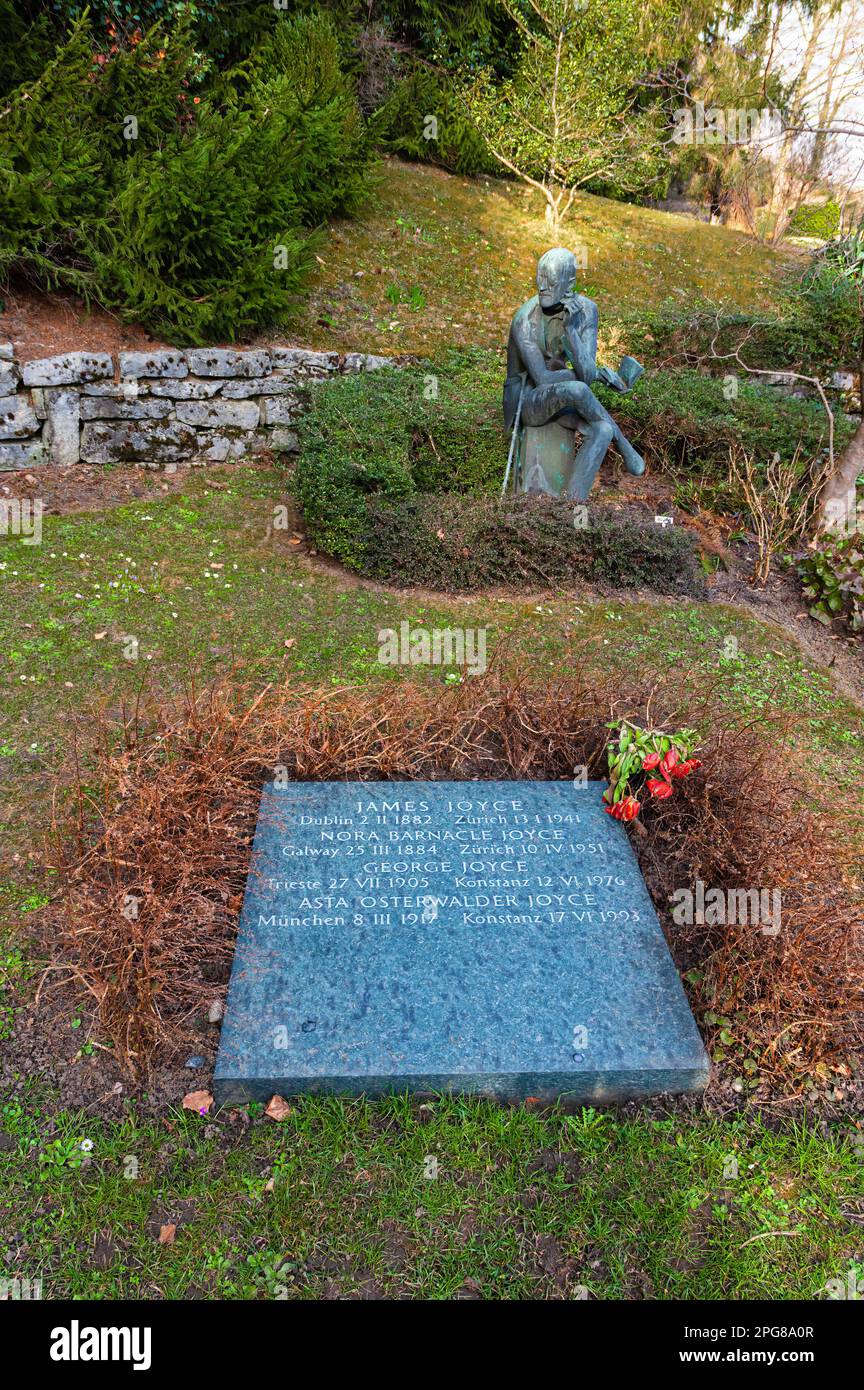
x=485 y=937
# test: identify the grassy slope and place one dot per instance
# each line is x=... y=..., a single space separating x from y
x=471 y=248
x=635 y=1207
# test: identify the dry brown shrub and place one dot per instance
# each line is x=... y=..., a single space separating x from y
x=170 y=823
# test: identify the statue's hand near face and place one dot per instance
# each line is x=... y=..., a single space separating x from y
x=573 y=313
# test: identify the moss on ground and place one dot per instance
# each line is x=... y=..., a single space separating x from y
x=435 y=259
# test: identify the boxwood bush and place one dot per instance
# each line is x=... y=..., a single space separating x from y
x=394 y=434
x=399 y=471
x=460 y=544
x=683 y=419
x=437 y=429
x=398 y=477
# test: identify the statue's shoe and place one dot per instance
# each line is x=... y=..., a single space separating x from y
x=633 y=462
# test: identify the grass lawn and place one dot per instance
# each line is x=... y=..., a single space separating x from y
x=344 y=1199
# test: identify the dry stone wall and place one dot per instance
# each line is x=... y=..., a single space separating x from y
x=160 y=409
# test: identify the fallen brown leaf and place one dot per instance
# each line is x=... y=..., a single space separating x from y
x=198 y=1100
x=278 y=1109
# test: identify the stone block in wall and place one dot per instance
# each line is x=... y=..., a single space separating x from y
x=21 y=455
x=17 y=417
x=218 y=448
x=42 y=396
x=241 y=415
x=275 y=385
x=192 y=389
x=150 y=364
x=304 y=362
x=277 y=410
x=7 y=352
x=365 y=362
x=60 y=434
x=126 y=390
x=283 y=439
x=227 y=362
x=67 y=369
x=842 y=381
x=151 y=443
x=9 y=378
x=106 y=408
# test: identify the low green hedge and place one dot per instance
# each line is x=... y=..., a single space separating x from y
x=398 y=476
x=437 y=428
x=399 y=470
x=684 y=420
x=393 y=434
x=459 y=544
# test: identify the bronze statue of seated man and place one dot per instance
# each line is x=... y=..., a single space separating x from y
x=551 y=365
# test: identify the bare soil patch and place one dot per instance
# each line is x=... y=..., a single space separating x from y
x=43 y=325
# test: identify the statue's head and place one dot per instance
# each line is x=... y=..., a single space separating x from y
x=556 y=277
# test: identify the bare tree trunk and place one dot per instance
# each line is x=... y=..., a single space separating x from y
x=837 y=501
x=782 y=204
x=553 y=205
x=836 y=89
x=552 y=213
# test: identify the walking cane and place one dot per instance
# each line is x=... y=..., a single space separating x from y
x=513 y=437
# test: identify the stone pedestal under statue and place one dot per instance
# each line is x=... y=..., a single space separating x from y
x=546 y=459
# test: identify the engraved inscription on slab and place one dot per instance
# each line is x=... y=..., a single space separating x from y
x=491 y=937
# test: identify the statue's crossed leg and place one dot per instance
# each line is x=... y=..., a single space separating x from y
x=574 y=405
